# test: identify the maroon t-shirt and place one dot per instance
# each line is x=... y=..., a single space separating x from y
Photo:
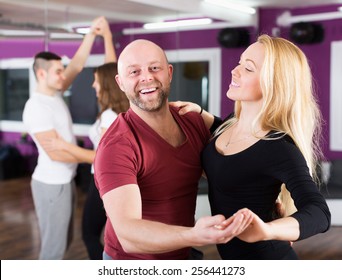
x=131 y=152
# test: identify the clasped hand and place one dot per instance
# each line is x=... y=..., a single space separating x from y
x=217 y=229
x=244 y=225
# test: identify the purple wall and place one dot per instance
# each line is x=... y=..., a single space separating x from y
x=208 y=39
x=318 y=56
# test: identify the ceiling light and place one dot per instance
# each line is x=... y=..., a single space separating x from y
x=237 y=7
x=177 y=23
x=39 y=33
x=286 y=19
x=214 y=25
x=65 y=36
x=21 y=33
x=82 y=30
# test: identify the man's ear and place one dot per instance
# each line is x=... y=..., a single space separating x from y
x=170 y=68
x=117 y=78
x=40 y=73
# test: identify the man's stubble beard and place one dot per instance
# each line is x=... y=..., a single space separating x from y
x=151 y=107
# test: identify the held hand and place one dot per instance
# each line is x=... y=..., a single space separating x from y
x=186 y=107
x=257 y=230
x=279 y=209
x=98 y=25
x=102 y=27
x=217 y=229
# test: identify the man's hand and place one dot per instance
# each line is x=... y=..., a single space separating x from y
x=217 y=229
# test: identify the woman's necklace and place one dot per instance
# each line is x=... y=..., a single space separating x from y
x=236 y=141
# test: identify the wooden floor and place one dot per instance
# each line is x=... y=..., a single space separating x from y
x=19 y=236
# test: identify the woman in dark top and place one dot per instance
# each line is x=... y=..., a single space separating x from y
x=267 y=150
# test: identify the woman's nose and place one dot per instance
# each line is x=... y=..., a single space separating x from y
x=235 y=71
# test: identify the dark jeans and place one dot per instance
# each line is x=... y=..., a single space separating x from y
x=93 y=221
x=195 y=254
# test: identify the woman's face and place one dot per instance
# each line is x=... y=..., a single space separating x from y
x=245 y=84
x=96 y=85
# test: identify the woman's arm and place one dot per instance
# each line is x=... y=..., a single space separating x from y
x=59 y=144
x=104 y=31
x=286 y=229
x=57 y=155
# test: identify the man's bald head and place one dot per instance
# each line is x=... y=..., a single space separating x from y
x=138 y=49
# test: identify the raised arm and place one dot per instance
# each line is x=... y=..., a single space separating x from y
x=79 y=59
x=104 y=31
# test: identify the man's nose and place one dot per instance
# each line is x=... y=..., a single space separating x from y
x=146 y=76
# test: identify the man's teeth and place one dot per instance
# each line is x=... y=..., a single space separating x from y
x=147 y=90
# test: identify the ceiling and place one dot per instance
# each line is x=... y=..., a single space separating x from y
x=67 y=14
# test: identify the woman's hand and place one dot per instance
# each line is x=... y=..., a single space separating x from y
x=53 y=144
x=218 y=230
x=257 y=230
x=100 y=26
x=186 y=107
x=285 y=229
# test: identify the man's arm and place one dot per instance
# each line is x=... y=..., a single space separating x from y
x=79 y=59
x=56 y=155
x=136 y=235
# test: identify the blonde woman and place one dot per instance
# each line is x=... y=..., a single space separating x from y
x=268 y=148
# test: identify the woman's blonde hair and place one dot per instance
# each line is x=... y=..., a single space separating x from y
x=289 y=103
